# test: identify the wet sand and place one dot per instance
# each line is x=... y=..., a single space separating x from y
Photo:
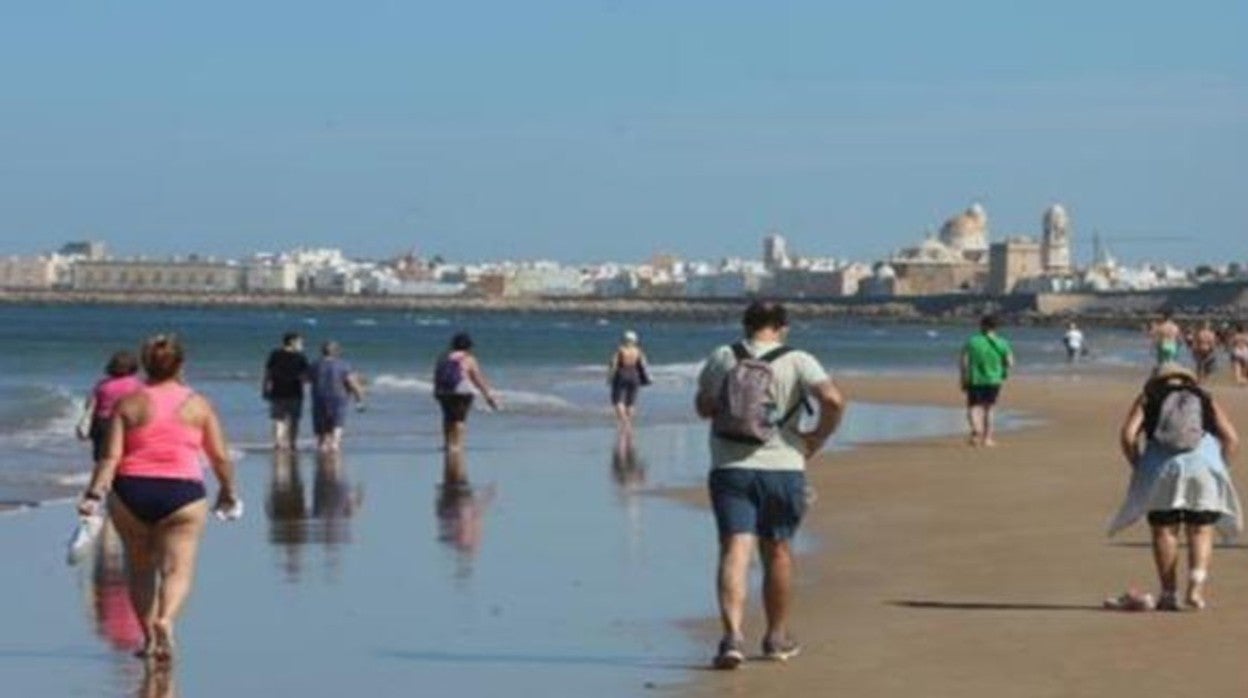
x=941 y=570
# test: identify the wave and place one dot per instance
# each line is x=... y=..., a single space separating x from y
x=513 y=400
x=681 y=373
x=38 y=416
x=72 y=479
x=389 y=382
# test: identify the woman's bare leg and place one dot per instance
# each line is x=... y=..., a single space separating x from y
x=1166 y=556
x=1199 y=555
x=138 y=541
x=178 y=538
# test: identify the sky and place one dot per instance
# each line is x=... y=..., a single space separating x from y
x=617 y=129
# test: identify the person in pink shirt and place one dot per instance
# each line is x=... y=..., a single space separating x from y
x=152 y=464
x=119 y=381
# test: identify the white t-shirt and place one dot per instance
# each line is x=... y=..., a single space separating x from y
x=1073 y=339
x=794 y=375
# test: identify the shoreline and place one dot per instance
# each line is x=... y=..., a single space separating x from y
x=904 y=593
x=1129 y=310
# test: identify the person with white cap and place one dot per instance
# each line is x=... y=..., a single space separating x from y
x=626 y=375
x=1178 y=442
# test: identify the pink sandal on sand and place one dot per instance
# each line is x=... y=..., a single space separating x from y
x=1130 y=600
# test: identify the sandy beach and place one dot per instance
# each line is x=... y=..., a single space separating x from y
x=942 y=570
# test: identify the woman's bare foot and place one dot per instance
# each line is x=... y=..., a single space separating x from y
x=162 y=631
x=1196 y=589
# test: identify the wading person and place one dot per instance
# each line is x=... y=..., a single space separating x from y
x=455 y=376
x=753 y=392
x=626 y=375
x=118 y=382
x=157 y=502
x=334 y=385
x=285 y=372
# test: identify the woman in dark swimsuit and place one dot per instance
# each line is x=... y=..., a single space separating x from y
x=626 y=376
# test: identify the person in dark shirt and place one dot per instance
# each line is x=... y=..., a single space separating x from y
x=284 y=375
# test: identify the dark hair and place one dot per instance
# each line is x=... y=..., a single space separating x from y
x=121 y=364
x=461 y=342
x=763 y=314
x=988 y=322
x=290 y=337
x=163 y=357
x=331 y=348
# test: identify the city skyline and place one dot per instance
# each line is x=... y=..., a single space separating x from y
x=584 y=132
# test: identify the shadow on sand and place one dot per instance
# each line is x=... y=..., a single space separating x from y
x=993 y=606
x=1145 y=544
x=483 y=658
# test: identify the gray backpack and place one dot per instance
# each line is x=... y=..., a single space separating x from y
x=746 y=405
x=1180 y=419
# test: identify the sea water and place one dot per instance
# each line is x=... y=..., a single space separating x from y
x=551 y=369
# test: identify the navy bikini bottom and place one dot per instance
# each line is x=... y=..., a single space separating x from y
x=153 y=498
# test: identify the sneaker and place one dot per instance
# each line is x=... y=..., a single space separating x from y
x=729 y=655
x=781 y=651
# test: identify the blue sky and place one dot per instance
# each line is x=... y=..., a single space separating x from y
x=588 y=130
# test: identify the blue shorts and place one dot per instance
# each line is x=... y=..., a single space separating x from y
x=765 y=503
x=328 y=415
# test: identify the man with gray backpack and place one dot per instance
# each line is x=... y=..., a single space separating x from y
x=754 y=391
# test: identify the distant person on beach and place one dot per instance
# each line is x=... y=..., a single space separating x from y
x=1178 y=442
x=1204 y=349
x=152 y=465
x=1073 y=341
x=1166 y=337
x=985 y=364
x=455 y=375
x=1237 y=346
x=334 y=385
x=626 y=375
x=119 y=380
x=753 y=391
x=284 y=375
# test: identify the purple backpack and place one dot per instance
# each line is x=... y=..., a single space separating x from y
x=746 y=405
x=447 y=375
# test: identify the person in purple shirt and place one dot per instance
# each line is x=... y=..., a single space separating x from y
x=334 y=384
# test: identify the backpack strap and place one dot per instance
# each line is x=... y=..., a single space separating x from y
x=739 y=351
x=775 y=354
x=802 y=403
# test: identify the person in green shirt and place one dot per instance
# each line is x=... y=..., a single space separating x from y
x=985 y=364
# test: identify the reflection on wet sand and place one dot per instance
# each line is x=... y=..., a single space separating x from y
x=460 y=509
x=629 y=472
x=628 y=469
x=334 y=501
x=158 y=681
x=115 y=619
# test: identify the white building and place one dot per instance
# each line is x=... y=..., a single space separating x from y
x=42 y=272
x=271 y=276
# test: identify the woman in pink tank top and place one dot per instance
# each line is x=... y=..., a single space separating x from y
x=151 y=468
x=119 y=381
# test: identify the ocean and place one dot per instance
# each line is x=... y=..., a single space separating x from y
x=550 y=368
